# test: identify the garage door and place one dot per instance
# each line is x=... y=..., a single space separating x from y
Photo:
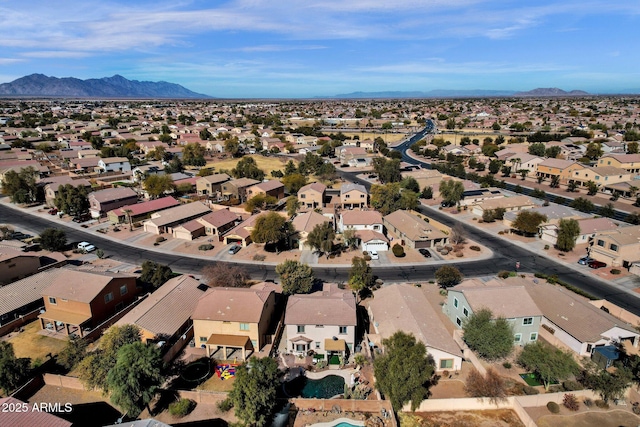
x=374 y=246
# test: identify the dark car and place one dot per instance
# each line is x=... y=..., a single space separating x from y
x=53 y=211
x=596 y=264
x=82 y=218
x=585 y=260
x=425 y=253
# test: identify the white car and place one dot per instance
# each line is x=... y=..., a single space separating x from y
x=86 y=247
x=374 y=255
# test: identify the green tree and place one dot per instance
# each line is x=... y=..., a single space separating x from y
x=410 y=183
x=592 y=188
x=21 y=186
x=490 y=338
x=391 y=197
x=193 y=155
x=495 y=126
x=232 y=146
x=448 y=276
x=537 y=149
x=136 y=377
x=254 y=391
x=360 y=275
x=555 y=181
x=609 y=384
x=157 y=185
x=632 y=147
x=321 y=238
x=73 y=352
x=270 y=228
x=350 y=238
x=451 y=191
x=528 y=222
x=495 y=165
x=290 y=168
x=94 y=368
x=260 y=201
x=594 y=151
x=292 y=205
x=538 y=194
x=247 y=168
x=549 y=363
x=295 y=277
x=568 y=232
x=572 y=186
x=582 y=204
x=523 y=173
x=607 y=210
x=388 y=170
x=53 y=239
x=154 y=273
x=294 y=182
x=12 y=370
x=72 y=200
x=427 y=193
x=553 y=152
x=404 y=372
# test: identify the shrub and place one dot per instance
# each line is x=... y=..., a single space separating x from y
x=182 y=407
x=205 y=247
x=530 y=391
x=546 y=247
x=615 y=271
x=100 y=253
x=504 y=274
x=636 y=410
x=397 y=250
x=570 y=402
x=553 y=407
x=571 y=386
x=258 y=257
x=160 y=239
x=367 y=258
x=475 y=248
x=602 y=404
x=365 y=253
x=588 y=402
x=225 y=405
x=506 y=365
x=500 y=233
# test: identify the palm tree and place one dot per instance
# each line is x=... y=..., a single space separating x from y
x=128 y=213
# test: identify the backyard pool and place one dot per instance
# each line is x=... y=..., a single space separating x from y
x=340 y=422
x=324 y=388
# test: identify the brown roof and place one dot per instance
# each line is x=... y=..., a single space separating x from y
x=7 y=253
x=231 y=305
x=503 y=300
x=322 y=308
x=230 y=340
x=82 y=286
x=168 y=308
x=243 y=182
x=17 y=418
x=404 y=307
x=269 y=185
x=369 y=235
x=315 y=186
x=413 y=227
x=219 y=218
x=111 y=194
x=358 y=217
x=25 y=291
x=506 y=202
x=179 y=213
x=216 y=178
x=307 y=221
x=557 y=163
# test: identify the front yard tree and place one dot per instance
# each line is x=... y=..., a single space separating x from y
x=136 y=377
x=360 y=275
x=270 y=228
x=391 y=197
x=222 y=274
x=321 y=238
x=350 y=238
x=260 y=201
x=592 y=188
x=247 y=168
x=12 y=370
x=458 y=234
x=572 y=186
x=549 y=363
x=255 y=390
x=154 y=273
x=490 y=338
x=157 y=185
x=292 y=206
x=404 y=371
x=568 y=232
x=72 y=200
x=528 y=222
x=53 y=239
x=448 y=276
x=388 y=170
x=295 y=277
x=451 y=191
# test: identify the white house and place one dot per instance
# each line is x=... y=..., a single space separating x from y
x=114 y=164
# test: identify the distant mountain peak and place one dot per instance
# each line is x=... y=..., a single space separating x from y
x=116 y=86
x=551 y=91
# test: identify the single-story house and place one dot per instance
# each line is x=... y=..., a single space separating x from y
x=212 y=224
x=168 y=219
x=141 y=211
x=414 y=232
x=509 y=204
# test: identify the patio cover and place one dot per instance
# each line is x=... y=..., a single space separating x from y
x=238 y=341
x=334 y=345
x=76 y=319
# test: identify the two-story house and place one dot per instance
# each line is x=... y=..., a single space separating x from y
x=103 y=201
x=235 y=319
x=617 y=248
x=15 y=264
x=114 y=164
x=368 y=226
x=53 y=184
x=628 y=162
x=303 y=224
x=215 y=224
x=78 y=301
x=323 y=323
x=353 y=196
x=237 y=188
x=212 y=184
x=273 y=188
x=563 y=169
x=312 y=195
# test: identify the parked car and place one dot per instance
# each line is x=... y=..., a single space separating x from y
x=374 y=255
x=52 y=211
x=234 y=249
x=425 y=252
x=596 y=264
x=82 y=218
x=86 y=247
x=585 y=260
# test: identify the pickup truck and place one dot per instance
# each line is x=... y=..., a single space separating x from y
x=86 y=247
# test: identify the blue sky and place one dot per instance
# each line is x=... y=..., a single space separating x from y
x=297 y=48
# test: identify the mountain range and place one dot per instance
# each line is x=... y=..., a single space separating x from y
x=473 y=93
x=39 y=85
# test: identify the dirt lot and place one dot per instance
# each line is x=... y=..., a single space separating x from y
x=30 y=343
x=494 y=418
x=216 y=384
x=267 y=164
x=612 y=418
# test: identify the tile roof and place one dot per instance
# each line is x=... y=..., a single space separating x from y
x=594 y=225
x=111 y=194
x=168 y=308
x=322 y=308
x=358 y=217
x=179 y=213
x=231 y=305
x=219 y=218
x=148 y=207
x=502 y=299
x=403 y=307
x=557 y=163
x=413 y=227
x=243 y=182
x=307 y=221
x=25 y=291
x=315 y=186
x=82 y=286
x=269 y=185
x=344 y=189
x=216 y=178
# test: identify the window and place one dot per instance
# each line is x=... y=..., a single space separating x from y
x=52 y=300
x=458 y=321
x=343 y=329
x=613 y=247
x=446 y=363
x=301 y=329
x=533 y=336
x=108 y=297
x=455 y=302
x=301 y=347
x=303 y=196
x=254 y=343
x=600 y=243
x=123 y=290
x=319 y=326
x=244 y=326
x=317 y=345
x=589 y=348
x=346 y=196
x=203 y=339
x=465 y=312
x=517 y=338
x=527 y=321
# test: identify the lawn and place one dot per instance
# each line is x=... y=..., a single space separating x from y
x=30 y=343
x=267 y=164
x=216 y=384
x=388 y=137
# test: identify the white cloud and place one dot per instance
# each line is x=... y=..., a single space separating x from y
x=8 y=61
x=55 y=54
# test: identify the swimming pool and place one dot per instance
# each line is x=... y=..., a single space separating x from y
x=323 y=388
x=340 y=422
